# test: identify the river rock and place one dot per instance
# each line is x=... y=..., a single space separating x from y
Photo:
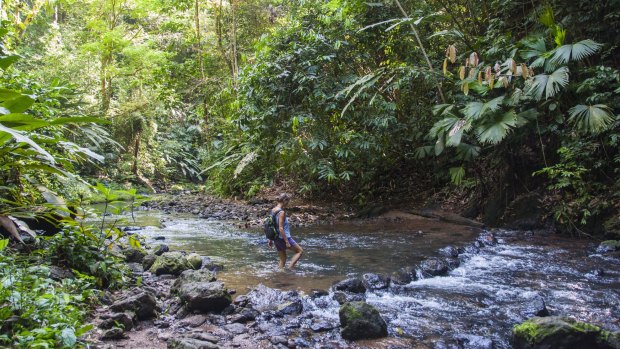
x=360 y=320
x=352 y=285
x=204 y=296
x=344 y=297
x=375 y=281
x=191 y=276
x=195 y=260
x=125 y=320
x=290 y=308
x=58 y=273
x=562 y=333
x=173 y=263
x=148 y=260
x=142 y=304
x=608 y=246
x=433 y=267
x=113 y=333
x=161 y=249
x=190 y=343
x=403 y=276
x=243 y=315
x=133 y=255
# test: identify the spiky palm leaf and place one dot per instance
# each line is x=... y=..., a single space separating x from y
x=495 y=130
x=591 y=118
x=548 y=84
x=575 y=52
x=476 y=110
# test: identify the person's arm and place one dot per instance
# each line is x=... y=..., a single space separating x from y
x=281 y=227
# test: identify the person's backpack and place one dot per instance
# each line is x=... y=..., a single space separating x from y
x=270 y=226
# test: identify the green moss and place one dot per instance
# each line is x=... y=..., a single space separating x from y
x=529 y=330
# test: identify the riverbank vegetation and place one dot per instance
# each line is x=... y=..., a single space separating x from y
x=506 y=111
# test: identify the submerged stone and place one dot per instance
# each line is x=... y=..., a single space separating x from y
x=562 y=333
x=360 y=320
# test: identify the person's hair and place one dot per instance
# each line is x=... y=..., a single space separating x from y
x=283 y=197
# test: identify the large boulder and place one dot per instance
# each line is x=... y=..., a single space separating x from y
x=360 y=320
x=562 y=333
x=204 y=296
x=170 y=263
x=352 y=285
x=142 y=304
x=403 y=276
x=190 y=276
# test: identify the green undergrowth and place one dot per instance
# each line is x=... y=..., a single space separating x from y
x=38 y=311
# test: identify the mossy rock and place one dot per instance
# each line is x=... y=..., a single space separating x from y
x=360 y=320
x=195 y=260
x=562 y=333
x=170 y=263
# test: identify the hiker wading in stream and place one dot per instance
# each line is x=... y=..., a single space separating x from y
x=284 y=240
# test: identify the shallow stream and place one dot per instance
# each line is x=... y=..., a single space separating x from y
x=479 y=302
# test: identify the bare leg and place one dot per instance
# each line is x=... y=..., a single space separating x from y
x=298 y=252
x=282 y=255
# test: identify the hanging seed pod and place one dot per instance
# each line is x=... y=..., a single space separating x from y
x=472 y=73
x=473 y=59
x=492 y=81
x=487 y=73
x=467 y=63
x=462 y=72
x=451 y=53
x=513 y=66
x=480 y=77
x=524 y=71
x=466 y=89
x=445 y=67
x=504 y=81
x=497 y=68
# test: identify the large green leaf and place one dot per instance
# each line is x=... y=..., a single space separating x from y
x=575 y=52
x=548 y=85
x=494 y=131
x=591 y=118
x=475 y=110
x=19 y=104
x=20 y=137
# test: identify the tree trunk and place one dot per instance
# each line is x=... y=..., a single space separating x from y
x=198 y=38
x=235 y=63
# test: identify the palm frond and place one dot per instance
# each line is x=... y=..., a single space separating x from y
x=475 y=110
x=591 y=118
x=494 y=131
x=548 y=84
x=575 y=52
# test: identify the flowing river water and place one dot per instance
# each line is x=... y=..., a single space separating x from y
x=475 y=306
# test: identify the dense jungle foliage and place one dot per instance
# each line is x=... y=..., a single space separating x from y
x=474 y=104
